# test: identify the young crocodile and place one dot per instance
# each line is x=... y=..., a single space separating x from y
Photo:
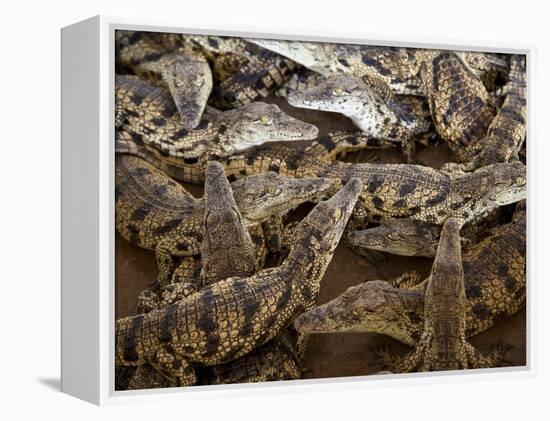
x=389 y=190
x=443 y=344
x=159 y=58
x=406 y=237
x=461 y=107
x=242 y=72
x=230 y=318
x=149 y=111
x=297 y=163
x=383 y=118
x=383 y=68
x=156 y=213
x=227 y=251
x=494 y=281
x=507 y=131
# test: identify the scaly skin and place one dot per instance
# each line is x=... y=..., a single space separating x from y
x=428 y=195
x=382 y=67
x=507 y=131
x=350 y=96
x=461 y=107
x=241 y=72
x=149 y=111
x=494 y=281
x=406 y=237
x=156 y=213
x=274 y=361
x=390 y=190
x=160 y=58
x=261 y=72
x=443 y=344
x=227 y=249
x=295 y=163
x=230 y=318
x=396 y=68
x=302 y=79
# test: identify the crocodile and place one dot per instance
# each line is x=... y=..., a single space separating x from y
x=461 y=106
x=230 y=318
x=148 y=110
x=185 y=74
x=494 y=282
x=507 y=131
x=383 y=118
x=302 y=79
x=227 y=251
x=406 y=237
x=298 y=163
x=384 y=67
x=276 y=360
x=389 y=190
x=242 y=72
x=443 y=345
x=396 y=68
x=257 y=75
x=227 y=248
x=156 y=213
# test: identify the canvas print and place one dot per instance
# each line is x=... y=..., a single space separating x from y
x=295 y=210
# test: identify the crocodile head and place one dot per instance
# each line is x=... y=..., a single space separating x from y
x=374 y=307
x=227 y=249
x=343 y=94
x=189 y=80
x=261 y=196
x=257 y=123
x=404 y=237
x=318 y=234
x=492 y=186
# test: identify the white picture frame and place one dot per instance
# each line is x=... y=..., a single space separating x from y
x=88 y=213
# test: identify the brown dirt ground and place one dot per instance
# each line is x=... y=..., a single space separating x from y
x=333 y=355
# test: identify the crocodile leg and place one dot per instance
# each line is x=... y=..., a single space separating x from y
x=174 y=368
x=175 y=292
x=274 y=233
x=165 y=263
x=258 y=238
x=187 y=270
x=147 y=301
x=408 y=280
x=148 y=377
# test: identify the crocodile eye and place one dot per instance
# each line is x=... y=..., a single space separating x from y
x=338 y=91
x=394 y=236
x=198 y=82
x=359 y=311
x=519 y=181
x=275 y=191
x=266 y=120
